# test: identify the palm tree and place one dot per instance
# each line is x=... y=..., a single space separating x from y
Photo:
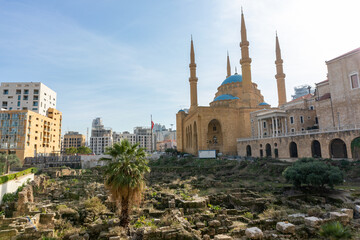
x=124 y=176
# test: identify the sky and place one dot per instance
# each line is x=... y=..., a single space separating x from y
x=126 y=60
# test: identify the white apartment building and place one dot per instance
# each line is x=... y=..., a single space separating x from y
x=101 y=137
x=34 y=96
x=98 y=144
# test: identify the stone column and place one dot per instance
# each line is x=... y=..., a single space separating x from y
x=259 y=128
x=273 y=128
x=286 y=128
x=277 y=128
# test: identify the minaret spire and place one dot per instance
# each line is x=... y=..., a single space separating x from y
x=228 y=66
x=245 y=60
x=193 y=79
x=280 y=76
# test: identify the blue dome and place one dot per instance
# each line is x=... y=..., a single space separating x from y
x=263 y=104
x=181 y=110
x=225 y=97
x=232 y=78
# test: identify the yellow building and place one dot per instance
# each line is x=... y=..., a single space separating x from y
x=73 y=139
x=29 y=134
x=216 y=127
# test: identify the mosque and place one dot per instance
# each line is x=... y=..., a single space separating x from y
x=218 y=126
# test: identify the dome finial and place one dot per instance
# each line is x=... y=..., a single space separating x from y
x=236 y=71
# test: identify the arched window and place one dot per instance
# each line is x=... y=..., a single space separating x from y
x=338 y=148
x=248 y=151
x=268 y=150
x=316 y=149
x=293 y=150
x=355 y=148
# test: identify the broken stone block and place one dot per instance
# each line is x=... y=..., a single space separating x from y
x=8 y=234
x=341 y=217
x=172 y=203
x=313 y=221
x=284 y=227
x=215 y=223
x=115 y=238
x=222 y=237
x=47 y=218
x=349 y=212
x=200 y=225
x=254 y=233
x=357 y=211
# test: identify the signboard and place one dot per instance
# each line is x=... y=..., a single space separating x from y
x=207 y=153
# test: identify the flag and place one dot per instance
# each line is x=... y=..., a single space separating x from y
x=152 y=125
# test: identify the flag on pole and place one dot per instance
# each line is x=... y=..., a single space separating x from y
x=152 y=125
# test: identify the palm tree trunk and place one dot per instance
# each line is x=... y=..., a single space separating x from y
x=124 y=217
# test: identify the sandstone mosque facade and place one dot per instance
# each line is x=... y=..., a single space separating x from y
x=239 y=122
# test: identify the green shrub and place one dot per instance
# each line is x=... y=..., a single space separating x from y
x=9 y=197
x=4 y=179
x=313 y=172
x=95 y=205
x=249 y=215
x=214 y=208
x=335 y=231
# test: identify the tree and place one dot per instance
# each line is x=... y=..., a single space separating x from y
x=71 y=151
x=7 y=161
x=83 y=150
x=124 y=175
x=313 y=172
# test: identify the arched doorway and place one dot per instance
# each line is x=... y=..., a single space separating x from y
x=316 y=149
x=355 y=148
x=214 y=136
x=268 y=150
x=195 y=138
x=293 y=150
x=338 y=148
x=248 y=151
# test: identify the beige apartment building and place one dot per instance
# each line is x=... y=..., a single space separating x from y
x=72 y=139
x=28 y=134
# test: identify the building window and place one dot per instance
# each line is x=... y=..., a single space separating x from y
x=4 y=104
x=293 y=130
x=36 y=97
x=26 y=91
x=25 y=108
x=264 y=123
x=301 y=119
x=34 y=109
x=36 y=91
x=18 y=91
x=35 y=104
x=6 y=92
x=316 y=120
x=302 y=129
x=311 y=107
x=18 y=104
x=26 y=97
x=354 y=78
x=292 y=120
x=19 y=98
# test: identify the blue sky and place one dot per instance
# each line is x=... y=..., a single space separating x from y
x=124 y=60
